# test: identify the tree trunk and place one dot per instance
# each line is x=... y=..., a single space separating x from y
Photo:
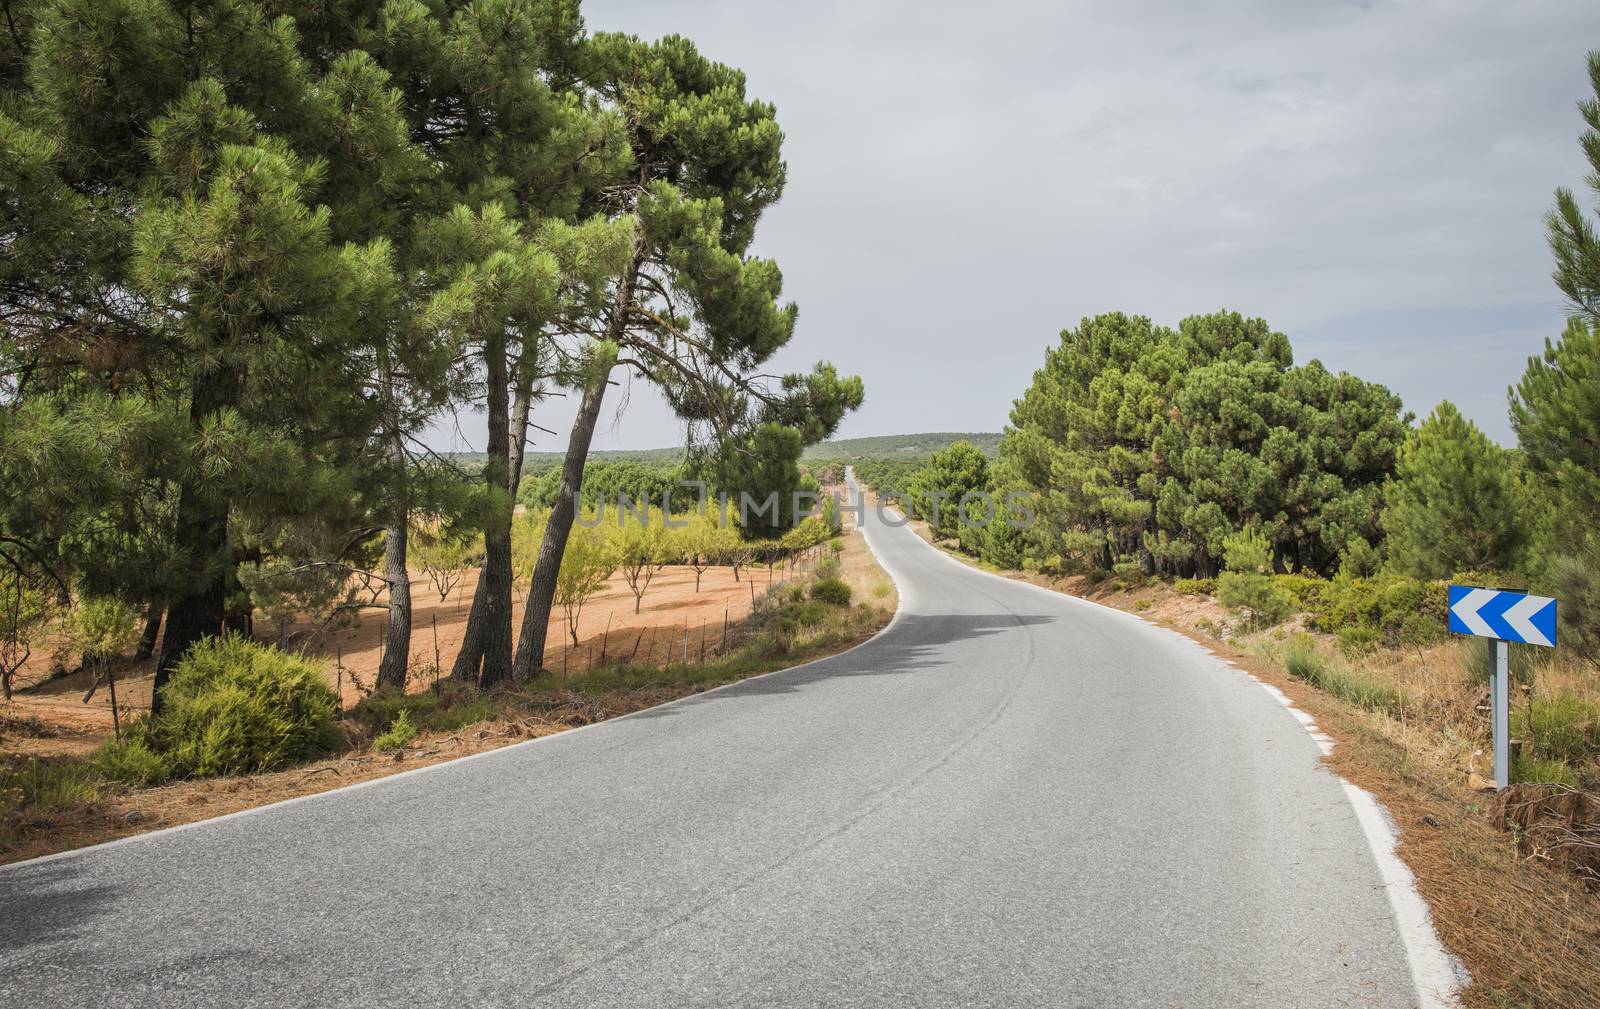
x=471 y=653
x=152 y=630
x=542 y=590
x=492 y=604
x=397 y=641
x=202 y=540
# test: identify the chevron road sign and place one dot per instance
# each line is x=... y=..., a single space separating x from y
x=1504 y=616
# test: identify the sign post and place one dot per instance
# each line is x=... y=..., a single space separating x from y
x=1500 y=709
x=1502 y=617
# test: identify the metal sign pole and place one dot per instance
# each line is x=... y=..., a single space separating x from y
x=1500 y=709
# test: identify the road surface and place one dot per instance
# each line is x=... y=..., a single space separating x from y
x=1008 y=798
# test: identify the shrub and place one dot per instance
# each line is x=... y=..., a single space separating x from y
x=1395 y=609
x=1303 y=662
x=445 y=711
x=1196 y=586
x=1358 y=640
x=1527 y=770
x=810 y=614
x=398 y=736
x=131 y=761
x=47 y=784
x=831 y=591
x=1257 y=597
x=233 y=706
x=828 y=567
x=881 y=589
x=837 y=546
x=1558 y=728
x=1306 y=590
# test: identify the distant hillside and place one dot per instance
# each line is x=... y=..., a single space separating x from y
x=883 y=446
x=891 y=445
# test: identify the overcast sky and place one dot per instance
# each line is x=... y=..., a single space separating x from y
x=967 y=179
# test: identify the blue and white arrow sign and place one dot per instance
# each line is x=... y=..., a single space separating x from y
x=1505 y=616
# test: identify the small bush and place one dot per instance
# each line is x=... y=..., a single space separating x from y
x=831 y=591
x=233 y=707
x=1358 y=640
x=448 y=710
x=1306 y=590
x=1256 y=597
x=804 y=614
x=837 y=546
x=47 y=784
x=1558 y=728
x=1303 y=662
x=881 y=589
x=828 y=567
x=1196 y=586
x=1528 y=770
x=131 y=761
x=398 y=736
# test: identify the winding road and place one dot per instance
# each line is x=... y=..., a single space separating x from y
x=1007 y=798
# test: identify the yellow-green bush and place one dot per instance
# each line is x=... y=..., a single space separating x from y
x=1557 y=728
x=231 y=707
x=831 y=591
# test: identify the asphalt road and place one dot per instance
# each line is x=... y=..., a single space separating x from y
x=1008 y=798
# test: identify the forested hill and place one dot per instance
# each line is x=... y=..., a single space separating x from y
x=879 y=446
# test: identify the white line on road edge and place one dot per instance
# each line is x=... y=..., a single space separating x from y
x=1436 y=974
x=457 y=761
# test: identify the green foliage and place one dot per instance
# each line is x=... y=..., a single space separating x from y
x=939 y=488
x=443 y=711
x=1303 y=661
x=46 y=784
x=1356 y=641
x=640 y=547
x=1195 y=586
x=586 y=566
x=101 y=627
x=1574 y=578
x=827 y=567
x=607 y=480
x=1530 y=770
x=1247 y=552
x=25 y=610
x=1454 y=503
x=1389 y=610
x=130 y=761
x=831 y=591
x=1151 y=444
x=235 y=707
x=1557 y=728
x=1256 y=597
x=398 y=735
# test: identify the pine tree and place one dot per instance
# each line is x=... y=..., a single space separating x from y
x=1453 y=504
x=690 y=311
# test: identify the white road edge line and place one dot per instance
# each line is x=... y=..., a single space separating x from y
x=457 y=761
x=1436 y=973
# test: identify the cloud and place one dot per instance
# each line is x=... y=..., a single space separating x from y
x=968 y=179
